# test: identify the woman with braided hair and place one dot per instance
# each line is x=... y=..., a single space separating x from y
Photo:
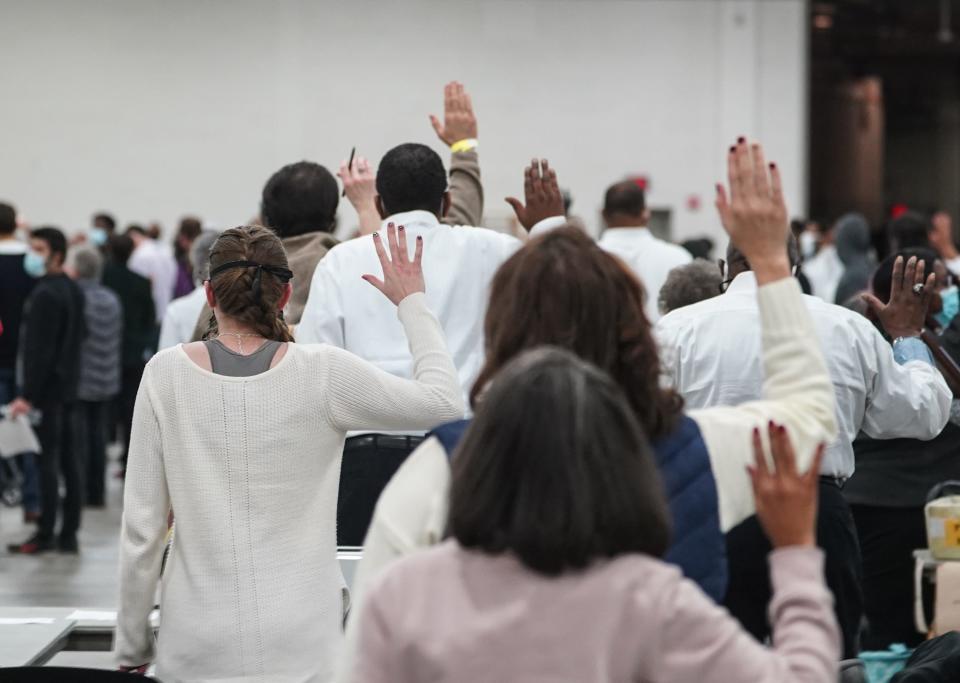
x=241 y=436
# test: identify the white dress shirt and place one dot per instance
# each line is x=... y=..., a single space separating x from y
x=711 y=352
x=650 y=258
x=153 y=262
x=824 y=272
x=458 y=264
x=181 y=318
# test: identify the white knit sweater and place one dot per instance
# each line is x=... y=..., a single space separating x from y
x=250 y=467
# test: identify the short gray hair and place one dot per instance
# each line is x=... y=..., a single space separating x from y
x=688 y=284
x=200 y=254
x=87 y=263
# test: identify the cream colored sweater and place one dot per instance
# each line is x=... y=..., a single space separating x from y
x=250 y=467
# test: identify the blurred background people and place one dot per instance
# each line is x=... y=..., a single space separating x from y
x=183 y=316
x=688 y=284
x=139 y=324
x=15 y=287
x=625 y=234
x=153 y=262
x=53 y=334
x=100 y=370
x=188 y=231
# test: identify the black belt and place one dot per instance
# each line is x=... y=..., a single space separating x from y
x=834 y=481
x=387 y=441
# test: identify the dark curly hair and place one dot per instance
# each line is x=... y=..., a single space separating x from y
x=563 y=290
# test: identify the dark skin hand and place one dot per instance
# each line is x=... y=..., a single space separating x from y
x=541 y=193
x=905 y=313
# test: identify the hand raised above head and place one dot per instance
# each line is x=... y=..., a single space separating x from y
x=459 y=121
x=401 y=275
x=359 y=182
x=786 y=500
x=753 y=211
x=541 y=193
x=904 y=315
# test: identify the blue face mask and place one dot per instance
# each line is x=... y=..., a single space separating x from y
x=950 y=296
x=34 y=264
x=98 y=236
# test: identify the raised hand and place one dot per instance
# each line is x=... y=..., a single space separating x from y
x=360 y=185
x=753 y=212
x=786 y=501
x=459 y=122
x=401 y=276
x=541 y=193
x=905 y=313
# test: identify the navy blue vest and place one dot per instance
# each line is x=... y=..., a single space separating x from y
x=698 y=547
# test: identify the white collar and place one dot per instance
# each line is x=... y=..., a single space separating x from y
x=744 y=283
x=13 y=246
x=637 y=232
x=408 y=217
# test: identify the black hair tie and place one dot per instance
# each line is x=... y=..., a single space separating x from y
x=279 y=272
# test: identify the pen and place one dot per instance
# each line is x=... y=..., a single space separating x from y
x=349 y=166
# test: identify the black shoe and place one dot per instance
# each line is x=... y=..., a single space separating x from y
x=34 y=546
x=68 y=545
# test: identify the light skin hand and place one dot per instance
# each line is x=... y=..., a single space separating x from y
x=401 y=275
x=20 y=406
x=359 y=184
x=541 y=193
x=754 y=213
x=906 y=312
x=459 y=122
x=786 y=500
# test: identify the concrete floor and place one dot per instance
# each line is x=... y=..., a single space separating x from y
x=54 y=580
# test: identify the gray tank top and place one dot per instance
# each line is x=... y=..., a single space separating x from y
x=224 y=361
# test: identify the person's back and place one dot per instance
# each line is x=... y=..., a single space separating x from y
x=15 y=287
x=712 y=354
x=249 y=461
x=626 y=235
x=136 y=302
x=100 y=354
x=552 y=570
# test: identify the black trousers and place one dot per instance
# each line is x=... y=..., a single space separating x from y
x=90 y=419
x=888 y=537
x=58 y=459
x=749 y=591
x=369 y=461
x=129 y=385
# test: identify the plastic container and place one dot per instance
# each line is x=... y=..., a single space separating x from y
x=883 y=665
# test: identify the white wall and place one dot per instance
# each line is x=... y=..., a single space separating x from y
x=152 y=108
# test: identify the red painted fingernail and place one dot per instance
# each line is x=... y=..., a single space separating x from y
x=732 y=149
x=781 y=429
x=772 y=165
x=756 y=432
x=741 y=140
x=400 y=228
x=419 y=239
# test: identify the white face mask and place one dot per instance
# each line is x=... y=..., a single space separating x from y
x=808 y=244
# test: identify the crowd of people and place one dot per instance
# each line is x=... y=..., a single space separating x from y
x=563 y=458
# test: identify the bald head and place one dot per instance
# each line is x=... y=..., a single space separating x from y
x=625 y=205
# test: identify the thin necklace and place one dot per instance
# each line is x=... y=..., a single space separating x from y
x=240 y=337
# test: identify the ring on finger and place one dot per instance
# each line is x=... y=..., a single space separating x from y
x=918 y=288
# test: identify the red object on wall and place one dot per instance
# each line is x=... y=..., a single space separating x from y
x=693 y=202
x=641 y=181
x=898 y=210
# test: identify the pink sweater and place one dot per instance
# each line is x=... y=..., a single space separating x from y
x=447 y=614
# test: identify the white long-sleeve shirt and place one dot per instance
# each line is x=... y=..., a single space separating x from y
x=711 y=353
x=650 y=258
x=250 y=467
x=181 y=317
x=458 y=264
x=153 y=262
x=411 y=512
x=824 y=271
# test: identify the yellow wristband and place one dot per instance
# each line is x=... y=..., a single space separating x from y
x=464 y=145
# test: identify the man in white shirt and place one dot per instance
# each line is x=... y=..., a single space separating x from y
x=458 y=265
x=825 y=269
x=153 y=262
x=712 y=352
x=626 y=235
x=180 y=320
